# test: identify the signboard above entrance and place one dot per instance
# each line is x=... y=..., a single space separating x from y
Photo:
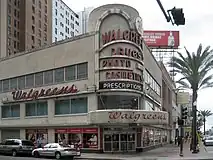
x=123 y=116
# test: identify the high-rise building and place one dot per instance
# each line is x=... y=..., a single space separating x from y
x=24 y=25
x=83 y=19
x=65 y=22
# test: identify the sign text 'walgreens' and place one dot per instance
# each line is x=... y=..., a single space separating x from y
x=134 y=116
x=128 y=35
x=35 y=93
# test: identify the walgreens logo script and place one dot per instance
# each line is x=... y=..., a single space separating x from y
x=135 y=116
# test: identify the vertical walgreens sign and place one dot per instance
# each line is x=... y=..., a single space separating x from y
x=120 y=71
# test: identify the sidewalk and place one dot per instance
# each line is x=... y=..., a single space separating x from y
x=168 y=152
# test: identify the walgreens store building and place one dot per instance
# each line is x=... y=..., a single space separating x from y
x=94 y=89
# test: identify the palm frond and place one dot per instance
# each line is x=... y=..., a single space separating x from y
x=205 y=81
x=194 y=68
x=206 y=113
x=183 y=84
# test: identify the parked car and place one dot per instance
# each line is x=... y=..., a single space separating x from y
x=204 y=137
x=208 y=141
x=57 y=150
x=16 y=146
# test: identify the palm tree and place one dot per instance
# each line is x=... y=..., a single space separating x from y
x=204 y=114
x=194 y=69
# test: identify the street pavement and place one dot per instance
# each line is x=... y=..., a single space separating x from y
x=209 y=149
x=17 y=158
x=168 y=152
x=23 y=158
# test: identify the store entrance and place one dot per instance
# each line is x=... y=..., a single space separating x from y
x=119 y=142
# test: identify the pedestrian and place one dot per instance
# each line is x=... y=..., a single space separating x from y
x=186 y=138
x=189 y=139
x=179 y=140
x=176 y=139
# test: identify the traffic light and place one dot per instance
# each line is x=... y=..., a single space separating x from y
x=178 y=16
x=184 y=112
x=180 y=122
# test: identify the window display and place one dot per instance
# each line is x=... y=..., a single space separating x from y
x=157 y=136
x=90 y=140
x=38 y=136
x=148 y=137
x=84 y=137
x=164 y=136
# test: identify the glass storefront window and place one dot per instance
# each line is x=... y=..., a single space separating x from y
x=107 y=142
x=84 y=137
x=151 y=135
x=157 y=136
x=148 y=137
x=118 y=102
x=38 y=136
x=90 y=140
x=164 y=136
x=71 y=106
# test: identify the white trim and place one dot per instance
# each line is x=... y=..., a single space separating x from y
x=113 y=11
x=121 y=41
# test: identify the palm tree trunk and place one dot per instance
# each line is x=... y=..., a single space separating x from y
x=204 y=125
x=194 y=122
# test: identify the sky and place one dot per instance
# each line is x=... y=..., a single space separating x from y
x=198 y=28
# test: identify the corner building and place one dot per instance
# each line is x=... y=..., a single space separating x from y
x=101 y=89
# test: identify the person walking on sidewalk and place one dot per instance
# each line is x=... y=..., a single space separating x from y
x=179 y=140
x=189 y=139
x=176 y=140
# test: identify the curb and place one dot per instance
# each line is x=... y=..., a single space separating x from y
x=146 y=158
x=85 y=158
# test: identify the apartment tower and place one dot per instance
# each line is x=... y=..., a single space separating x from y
x=24 y=25
x=65 y=22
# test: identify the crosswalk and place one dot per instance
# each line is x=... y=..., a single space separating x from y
x=209 y=149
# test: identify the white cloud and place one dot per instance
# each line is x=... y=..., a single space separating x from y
x=198 y=28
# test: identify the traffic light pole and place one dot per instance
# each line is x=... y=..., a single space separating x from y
x=181 y=133
x=177 y=14
x=163 y=10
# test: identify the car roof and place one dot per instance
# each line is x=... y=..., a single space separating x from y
x=17 y=140
x=53 y=143
x=12 y=139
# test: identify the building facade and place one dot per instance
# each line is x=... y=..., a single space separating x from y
x=184 y=99
x=102 y=89
x=169 y=101
x=83 y=19
x=65 y=22
x=24 y=25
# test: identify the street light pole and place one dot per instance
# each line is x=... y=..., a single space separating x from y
x=181 y=132
x=194 y=127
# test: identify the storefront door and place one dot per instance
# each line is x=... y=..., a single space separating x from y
x=119 y=142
